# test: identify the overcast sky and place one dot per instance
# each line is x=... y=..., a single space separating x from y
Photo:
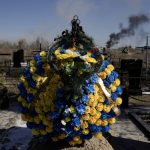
x=48 y=18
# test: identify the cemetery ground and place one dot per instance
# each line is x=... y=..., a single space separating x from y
x=14 y=135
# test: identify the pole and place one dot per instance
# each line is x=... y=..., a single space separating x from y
x=146 y=56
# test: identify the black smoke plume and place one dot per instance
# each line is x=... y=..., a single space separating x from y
x=133 y=23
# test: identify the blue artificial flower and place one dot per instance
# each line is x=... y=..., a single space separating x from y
x=33 y=113
x=64 y=46
x=89 y=88
x=62 y=51
x=81 y=109
x=32 y=83
x=59 y=92
x=119 y=90
x=95 y=128
x=60 y=103
x=57 y=126
x=94 y=78
x=22 y=109
x=115 y=74
x=105 y=128
x=106 y=83
x=28 y=77
x=78 y=133
x=39 y=63
x=41 y=126
x=40 y=71
x=30 y=97
x=104 y=116
x=92 y=55
x=30 y=125
x=75 y=115
x=37 y=57
x=110 y=78
x=87 y=137
x=111 y=114
x=20 y=86
x=87 y=67
x=26 y=70
x=114 y=96
x=83 y=53
x=106 y=101
x=66 y=112
x=76 y=122
x=84 y=99
x=45 y=137
x=105 y=63
x=23 y=93
x=54 y=115
x=69 y=130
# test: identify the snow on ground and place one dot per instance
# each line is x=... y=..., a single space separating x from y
x=14 y=135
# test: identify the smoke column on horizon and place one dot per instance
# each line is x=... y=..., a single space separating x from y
x=133 y=23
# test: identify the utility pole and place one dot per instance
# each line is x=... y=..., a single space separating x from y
x=147 y=47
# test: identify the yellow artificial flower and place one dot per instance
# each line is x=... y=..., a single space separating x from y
x=72 y=109
x=106 y=108
x=101 y=98
x=64 y=56
x=98 y=122
x=43 y=132
x=110 y=67
x=76 y=128
x=32 y=70
x=25 y=104
x=32 y=63
x=84 y=125
x=96 y=88
x=85 y=131
x=90 y=59
x=87 y=109
x=24 y=117
x=97 y=115
x=35 y=132
x=91 y=97
x=108 y=72
x=41 y=116
x=92 y=120
x=46 y=109
x=43 y=53
x=117 y=82
x=20 y=99
x=99 y=107
x=104 y=123
x=67 y=119
x=55 y=139
x=22 y=78
x=98 y=135
x=85 y=116
x=61 y=136
x=72 y=48
x=113 y=87
x=111 y=120
x=36 y=77
x=93 y=111
x=79 y=142
x=118 y=101
x=72 y=143
x=36 y=119
x=49 y=129
x=102 y=75
x=76 y=138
